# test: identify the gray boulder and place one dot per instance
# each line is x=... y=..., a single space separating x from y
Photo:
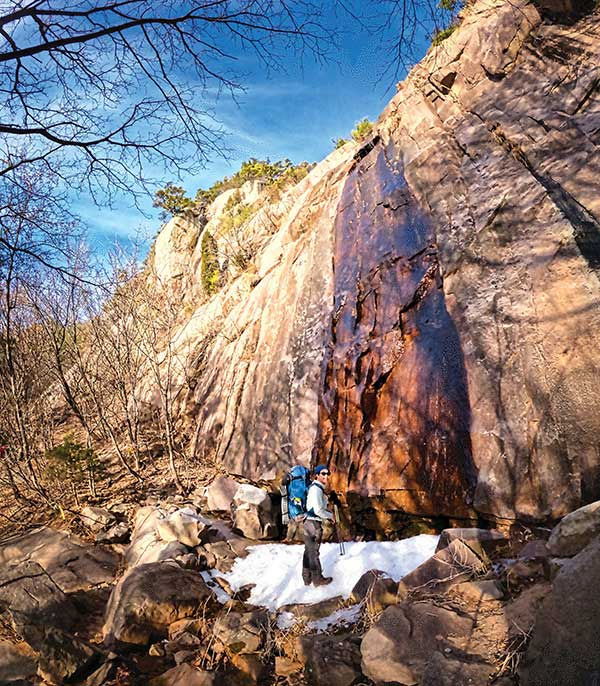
x=150 y=548
x=72 y=564
x=331 y=660
x=149 y=598
x=448 y=567
x=445 y=671
x=564 y=643
x=376 y=589
x=145 y=520
x=310 y=612
x=183 y=526
x=117 y=533
x=575 y=531
x=477 y=592
x=254 y=514
x=220 y=494
x=249 y=668
x=97 y=518
x=146 y=545
x=240 y=633
x=33 y=601
x=63 y=657
x=401 y=643
x=483 y=542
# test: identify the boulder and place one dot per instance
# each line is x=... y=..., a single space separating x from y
x=146 y=519
x=76 y=567
x=191 y=561
x=97 y=518
x=241 y=633
x=239 y=545
x=446 y=671
x=150 y=548
x=376 y=589
x=254 y=514
x=103 y=675
x=564 y=643
x=534 y=550
x=284 y=666
x=183 y=656
x=72 y=564
x=63 y=657
x=33 y=601
x=331 y=660
x=185 y=675
x=17 y=662
x=310 y=612
x=182 y=640
x=220 y=494
x=483 y=542
x=157 y=649
x=476 y=592
x=149 y=598
x=575 y=531
x=521 y=573
x=400 y=644
x=448 y=567
x=183 y=526
x=520 y=612
x=250 y=666
x=117 y=533
x=146 y=545
x=197 y=627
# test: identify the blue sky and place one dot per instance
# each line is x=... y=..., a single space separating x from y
x=294 y=112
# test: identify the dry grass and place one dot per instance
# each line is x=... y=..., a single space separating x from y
x=510 y=659
x=116 y=486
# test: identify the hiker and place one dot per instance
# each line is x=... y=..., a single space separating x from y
x=316 y=513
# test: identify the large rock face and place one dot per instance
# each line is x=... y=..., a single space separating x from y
x=395 y=413
x=504 y=153
x=424 y=308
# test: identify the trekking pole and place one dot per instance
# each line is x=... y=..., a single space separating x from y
x=337 y=530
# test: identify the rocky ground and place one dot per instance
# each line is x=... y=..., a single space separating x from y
x=139 y=600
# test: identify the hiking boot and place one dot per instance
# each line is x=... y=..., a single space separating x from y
x=323 y=581
x=307 y=581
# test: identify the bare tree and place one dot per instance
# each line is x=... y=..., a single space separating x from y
x=103 y=90
x=167 y=361
x=115 y=340
x=34 y=230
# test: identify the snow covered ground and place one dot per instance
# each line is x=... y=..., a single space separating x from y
x=276 y=568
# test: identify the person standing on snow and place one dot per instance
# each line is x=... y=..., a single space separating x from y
x=316 y=513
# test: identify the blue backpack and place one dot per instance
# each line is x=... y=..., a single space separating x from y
x=294 y=492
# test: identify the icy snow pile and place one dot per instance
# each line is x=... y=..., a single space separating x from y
x=276 y=569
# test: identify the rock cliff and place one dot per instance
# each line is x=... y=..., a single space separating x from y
x=422 y=311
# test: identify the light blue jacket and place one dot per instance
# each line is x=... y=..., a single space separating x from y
x=316 y=503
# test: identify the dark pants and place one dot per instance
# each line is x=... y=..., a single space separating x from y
x=311 y=564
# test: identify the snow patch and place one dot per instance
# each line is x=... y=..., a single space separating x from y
x=276 y=568
x=220 y=593
x=286 y=620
